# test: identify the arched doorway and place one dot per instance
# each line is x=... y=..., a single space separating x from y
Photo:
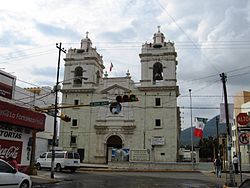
x=113 y=141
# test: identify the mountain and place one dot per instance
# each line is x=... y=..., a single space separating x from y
x=209 y=130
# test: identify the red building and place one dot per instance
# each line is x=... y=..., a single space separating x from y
x=16 y=126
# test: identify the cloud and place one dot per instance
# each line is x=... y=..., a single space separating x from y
x=48 y=29
x=125 y=34
x=10 y=38
x=210 y=37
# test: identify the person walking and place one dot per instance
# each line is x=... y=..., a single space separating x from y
x=235 y=163
x=217 y=164
x=13 y=162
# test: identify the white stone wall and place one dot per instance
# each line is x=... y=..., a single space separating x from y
x=135 y=124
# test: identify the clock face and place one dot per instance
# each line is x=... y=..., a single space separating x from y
x=115 y=108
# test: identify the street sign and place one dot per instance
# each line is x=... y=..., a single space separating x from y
x=242 y=119
x=99 y=103
x=244 y=138
x=243 y=129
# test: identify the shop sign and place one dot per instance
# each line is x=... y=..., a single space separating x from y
x=11 y=149
x=10 y=134
x=7 y=84
x=5 y=90
x=21 y=116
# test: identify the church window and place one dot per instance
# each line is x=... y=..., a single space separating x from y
x=78 y=76
x=157 y=101
x=74 y=123
x=98 y=77
x=157 y=123
x=157 y=71
x=72 y=140
x=76 y=102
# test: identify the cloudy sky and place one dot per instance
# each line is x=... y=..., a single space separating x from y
x=211 y=37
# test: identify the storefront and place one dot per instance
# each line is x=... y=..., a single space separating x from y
x=16 y=126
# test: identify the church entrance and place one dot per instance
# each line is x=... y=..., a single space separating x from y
x=113 y=142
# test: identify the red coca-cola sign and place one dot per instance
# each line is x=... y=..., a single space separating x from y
x=24 y=117
x=10 y=148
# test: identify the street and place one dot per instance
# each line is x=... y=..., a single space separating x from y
x=103 y=179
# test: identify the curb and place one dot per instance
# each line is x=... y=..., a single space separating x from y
x=36 y=179
x=134 y=170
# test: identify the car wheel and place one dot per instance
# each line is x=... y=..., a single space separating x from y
x=38 y=166
x=24 y=184
x=58 y=168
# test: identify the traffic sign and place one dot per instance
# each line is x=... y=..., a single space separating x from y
x=242 y=118
x=99 y=103
x=244 y=138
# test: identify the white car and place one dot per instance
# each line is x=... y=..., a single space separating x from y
x=11 y=178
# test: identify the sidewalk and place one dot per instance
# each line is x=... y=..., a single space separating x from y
x=225 y=177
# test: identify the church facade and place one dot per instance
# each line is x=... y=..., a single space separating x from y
x=103 y=116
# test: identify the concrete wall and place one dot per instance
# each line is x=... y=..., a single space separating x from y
x=167 y=166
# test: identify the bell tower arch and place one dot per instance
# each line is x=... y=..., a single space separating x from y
x=83 y=67
x=158 y=62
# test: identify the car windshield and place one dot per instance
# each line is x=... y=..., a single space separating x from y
x=76 y=156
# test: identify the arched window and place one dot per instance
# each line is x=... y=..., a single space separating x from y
x=78 y=76
x=157 y=71
x=98 y=76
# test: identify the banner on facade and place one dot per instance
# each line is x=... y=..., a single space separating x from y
x=120 y=154
x=230 y=113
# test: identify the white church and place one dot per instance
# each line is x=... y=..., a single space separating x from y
x=147 y=129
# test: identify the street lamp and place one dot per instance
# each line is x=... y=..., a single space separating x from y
x=191 y=121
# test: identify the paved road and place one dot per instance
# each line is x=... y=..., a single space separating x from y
x=96 y=179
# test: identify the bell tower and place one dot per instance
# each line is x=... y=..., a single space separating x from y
x=83 y=67
x=158 y=62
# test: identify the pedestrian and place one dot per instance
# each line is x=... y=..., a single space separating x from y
x=217 y=164
x=235 y=163
x=13 y=162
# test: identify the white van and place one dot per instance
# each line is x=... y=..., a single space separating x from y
x=63 y=160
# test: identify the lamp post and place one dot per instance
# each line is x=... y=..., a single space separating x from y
x=55 y=115
x=191 y=122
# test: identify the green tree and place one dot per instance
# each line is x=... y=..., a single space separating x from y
x=207 y=148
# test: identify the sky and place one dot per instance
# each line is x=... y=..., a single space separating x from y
x=211 y=37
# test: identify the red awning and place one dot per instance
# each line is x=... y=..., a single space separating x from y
x=20 y=116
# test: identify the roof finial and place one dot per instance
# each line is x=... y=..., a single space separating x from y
x=87 y=33
x=159 y=28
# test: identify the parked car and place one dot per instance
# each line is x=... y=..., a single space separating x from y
x=63 y=160
x=245 y=184
x=11 y=178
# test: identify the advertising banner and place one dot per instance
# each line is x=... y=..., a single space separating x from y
x=11 y=149
x=10 y=113
x=7 y=83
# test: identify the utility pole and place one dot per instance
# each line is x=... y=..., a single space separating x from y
x=55 y=116
x=217 y=136
x=191 y=121
x=231 y=182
